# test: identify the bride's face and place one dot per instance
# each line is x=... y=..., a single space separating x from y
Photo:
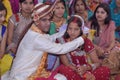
x=73 y=30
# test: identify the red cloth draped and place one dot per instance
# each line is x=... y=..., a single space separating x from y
x=101 y=73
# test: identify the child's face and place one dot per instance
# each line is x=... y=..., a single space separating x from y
x=73 y=30
x=2 y=16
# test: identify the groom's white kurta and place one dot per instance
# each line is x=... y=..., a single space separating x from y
x=31 y=50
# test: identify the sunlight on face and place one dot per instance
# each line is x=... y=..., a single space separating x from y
x=73 y=30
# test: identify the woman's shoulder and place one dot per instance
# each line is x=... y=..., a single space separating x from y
x=112 y=25
x=15 y=17
x=112 y=22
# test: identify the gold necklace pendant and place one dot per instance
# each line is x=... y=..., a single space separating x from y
x=59 y=24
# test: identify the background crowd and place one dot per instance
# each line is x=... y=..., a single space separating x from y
x=70 y=23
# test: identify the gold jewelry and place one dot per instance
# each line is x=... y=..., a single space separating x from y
x=58 y=24
x=41 y=71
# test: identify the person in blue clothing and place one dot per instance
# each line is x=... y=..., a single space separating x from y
x=58 y=24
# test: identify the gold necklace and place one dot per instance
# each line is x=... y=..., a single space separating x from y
x=58 y=24
x=36 y=29
x=41 y=71
x=84 y=16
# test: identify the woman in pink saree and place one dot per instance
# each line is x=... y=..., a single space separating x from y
x=104 y=38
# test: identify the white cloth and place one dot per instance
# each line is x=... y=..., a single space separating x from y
x=60 y=77
x=85 y=30
x=31 y=50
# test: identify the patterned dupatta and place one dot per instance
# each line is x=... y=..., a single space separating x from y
x=78 y=57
